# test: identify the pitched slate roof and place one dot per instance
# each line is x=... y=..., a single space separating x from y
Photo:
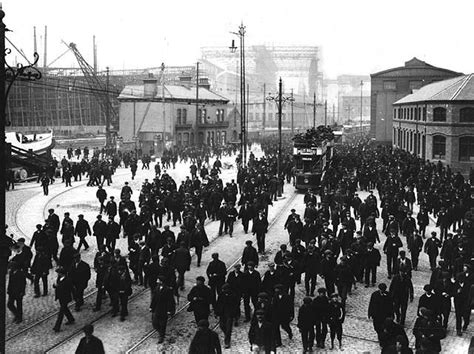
x=460 y=88
x=175 y=92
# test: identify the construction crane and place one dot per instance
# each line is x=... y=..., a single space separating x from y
x=101 y=93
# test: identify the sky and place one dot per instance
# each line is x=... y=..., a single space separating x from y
x=356 y=37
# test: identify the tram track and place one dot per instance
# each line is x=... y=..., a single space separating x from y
x=24 y=234
x=135 y=347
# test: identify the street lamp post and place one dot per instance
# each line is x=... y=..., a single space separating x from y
x=243 y=108
x=28 y=73
x=279 y=99
x=361 y=85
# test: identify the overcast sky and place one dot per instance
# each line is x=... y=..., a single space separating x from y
x=357 y=37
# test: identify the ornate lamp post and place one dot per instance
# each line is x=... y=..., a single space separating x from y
x=243 y=106
x=29 y=72
x=279 y=98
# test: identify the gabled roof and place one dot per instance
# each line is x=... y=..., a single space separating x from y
x=460 y=88
x=414 y=63
x=172 y=92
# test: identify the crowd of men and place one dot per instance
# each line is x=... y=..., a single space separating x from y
x=335 y=238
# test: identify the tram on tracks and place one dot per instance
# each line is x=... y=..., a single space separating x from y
x=312 y=153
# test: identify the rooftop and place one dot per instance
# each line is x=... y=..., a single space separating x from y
x=460 y=88
x=172 y=92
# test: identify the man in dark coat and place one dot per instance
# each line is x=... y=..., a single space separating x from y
x=306 y=324
x=80 y=274
x=90 y=344
x=283 y=313
x=199 y=240
x=99 y=230
x=205 y=340
x=182 y=263
x=162 y=306
x=250 y=288
x=63 y=294
x=112 y=234
x=380 y=307
x=260 y=228
x=216 y=272
x=321 y=310
x=82 y=230
x=227 y=308
x=101 y=195
x=401 y=289
x=111 y=207
x=261 y=335
x=415 y=246
x=390 y=248
x=431 y=248
x=246 y=213
x=311 y=267
x=16 y=290
x=200 y=300
x=372 y=261
x=249 y=254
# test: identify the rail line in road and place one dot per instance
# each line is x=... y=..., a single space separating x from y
x=149 y=334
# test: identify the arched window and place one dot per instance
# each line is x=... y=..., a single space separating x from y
x=466 y=115
x=439 y=147
x=178 y=116
x=466 y=148
x=184 y=114
x=439 y=114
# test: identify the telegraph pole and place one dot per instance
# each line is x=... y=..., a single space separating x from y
x=325 y=113
x=361 y=85
x=196 y=136
x=163 y=106
x=314 y=110
x=107 y=114
x=292 y=118
x=4 y=249
x=264 y=108
x=279 y=126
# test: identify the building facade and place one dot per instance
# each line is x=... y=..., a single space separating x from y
x=390 y=85
x=437 y=122
x=155 y=116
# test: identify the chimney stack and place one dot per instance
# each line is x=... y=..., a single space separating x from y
x=150 y=88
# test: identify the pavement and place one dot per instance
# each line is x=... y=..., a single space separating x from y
x=27 y=206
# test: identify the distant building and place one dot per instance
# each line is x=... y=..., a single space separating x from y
x=437 y=122
x=153 y=120
x=350 y=107
x=391 y=85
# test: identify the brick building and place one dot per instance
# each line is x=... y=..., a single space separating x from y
x=391 y=85
x=153 y=119
x=437 y=122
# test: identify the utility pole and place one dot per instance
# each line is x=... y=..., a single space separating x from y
x=279 y=126
x=163 y=106
x=314 y=110
x=264 y=108
x=45 y=46
x=325 y=113
x=94 y=49
x=4 y=247
x=292 y=117
x=361 y=85
x=35 y=46
x=197 y=104
x=107 y=114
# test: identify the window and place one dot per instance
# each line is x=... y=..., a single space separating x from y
x=179 y=139
x=466 y=148
x=466 y=115
x=186 y=139
x=389 y=85
x=394 y=113
x=220 y=115
x=224 y=137
x=411 y=113
x=424 y=114
x=184 y=114
x=203 y=115
x=439 y=147
x=439 y=114
x=257 y=116
x=178 y=116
